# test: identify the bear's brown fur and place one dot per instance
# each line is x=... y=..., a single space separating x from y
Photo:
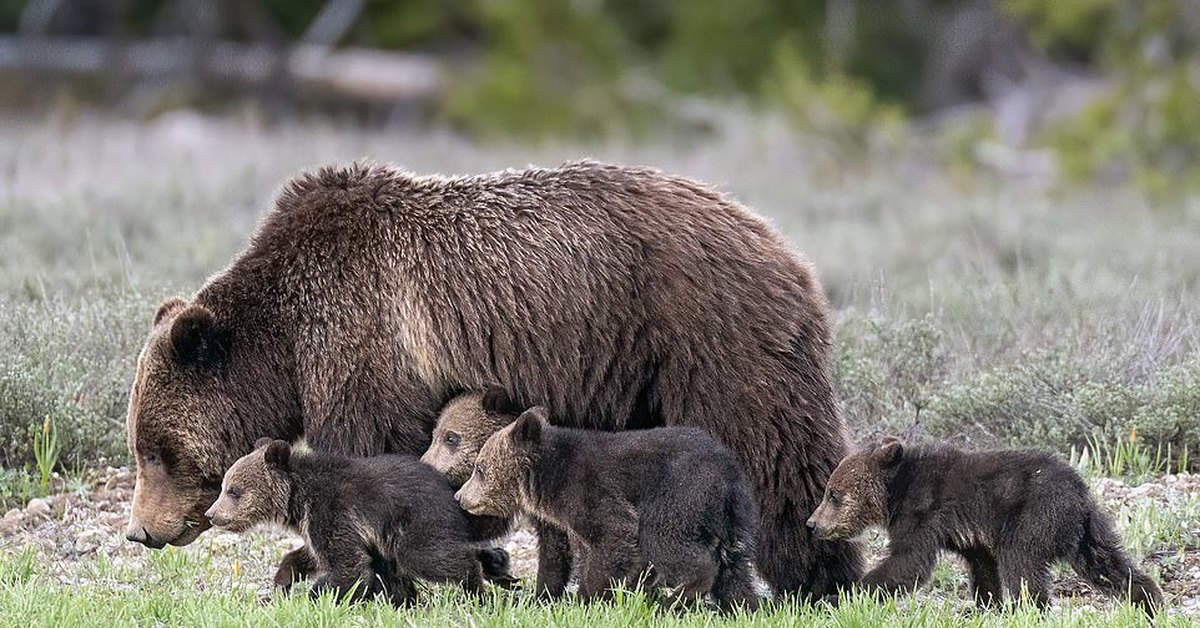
x=617 y=297
x=462 y=427
x=1009 y=513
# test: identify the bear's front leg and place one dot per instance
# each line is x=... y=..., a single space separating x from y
x=554 y=560
x=906 y=568
x=296 y=565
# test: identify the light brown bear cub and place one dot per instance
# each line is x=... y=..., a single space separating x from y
x=671 y=498
x=1008 y=513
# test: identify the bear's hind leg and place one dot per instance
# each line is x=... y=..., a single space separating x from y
x=985 y=577
x=1020 y=572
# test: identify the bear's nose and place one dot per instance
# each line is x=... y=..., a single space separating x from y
x=137 y=534
x=812 y=525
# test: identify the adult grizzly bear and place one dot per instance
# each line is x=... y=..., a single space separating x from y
x=616 y=297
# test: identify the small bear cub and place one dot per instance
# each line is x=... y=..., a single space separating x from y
x=463 y=426
x=671 y=501
x=1008 y=513
x=375 y=525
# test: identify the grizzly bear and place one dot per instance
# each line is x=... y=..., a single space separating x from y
x=617 y=297
x=671 y=497
x=374 y=525
x=1008 y=513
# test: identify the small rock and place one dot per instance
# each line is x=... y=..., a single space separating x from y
x=88 y=540
x=58 y=505
x=11 y=521
x=38 y=507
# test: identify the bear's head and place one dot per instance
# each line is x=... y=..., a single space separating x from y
x=203 y=391
x=856 y=494
x=255 y=489
x=504 y=462
x=463 y=426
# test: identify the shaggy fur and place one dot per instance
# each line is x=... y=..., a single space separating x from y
x=1008 y=513
x=671 y=498
x=374 y=525
x=617 y=297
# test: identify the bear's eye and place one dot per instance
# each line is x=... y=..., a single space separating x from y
x=452 y=439
x=150 y=458
x=234 y=493
x=835 y=498
x=479 y=471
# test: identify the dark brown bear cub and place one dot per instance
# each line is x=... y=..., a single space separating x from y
x=673 y=499
x=374 y=525
x=1008 y=513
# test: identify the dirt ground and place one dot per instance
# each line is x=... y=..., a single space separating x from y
x=68 y=531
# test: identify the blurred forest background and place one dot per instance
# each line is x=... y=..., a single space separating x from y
x=1002 y=197
x=1070 y=89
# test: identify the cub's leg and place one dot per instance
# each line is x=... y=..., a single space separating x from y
x=907 y=567
x=613 y=556
x=680 y=561
x=348 y=567
x=296 y=565
x=1019 y=570
x=554 y=560
x=985 y=577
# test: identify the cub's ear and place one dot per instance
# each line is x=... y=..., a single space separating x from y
x=278 y=454
x=528 y=428
x=196 y=340
x=262 y=442
x=889 y=453
x=169 y=308
x=497 y=401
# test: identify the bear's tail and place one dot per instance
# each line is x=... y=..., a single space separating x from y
x=1101 y=561
x=734 y=585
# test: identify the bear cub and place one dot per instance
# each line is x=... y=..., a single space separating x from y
x=376 y=524
x=671 y=501
x=1008 y=513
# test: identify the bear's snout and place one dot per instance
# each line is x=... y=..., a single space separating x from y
x=214 y=517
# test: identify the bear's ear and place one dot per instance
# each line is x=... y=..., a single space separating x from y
x=195 y=338
x=168 y=308
x=497 y=401
x=262 y=442
x=889 y=453
x=278 y=454
x=528 y=428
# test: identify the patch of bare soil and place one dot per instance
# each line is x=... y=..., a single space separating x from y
x=68 y=531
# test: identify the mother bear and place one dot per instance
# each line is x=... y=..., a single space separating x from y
x=618 y=297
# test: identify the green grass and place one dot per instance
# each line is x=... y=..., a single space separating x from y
x=184 y=590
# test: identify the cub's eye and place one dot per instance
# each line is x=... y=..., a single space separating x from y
x=234 y=493
x=452 y=439
x=479 y=472
x=835 y=499
x=150 y=458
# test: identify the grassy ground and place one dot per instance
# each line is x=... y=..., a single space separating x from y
x=965 y=307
